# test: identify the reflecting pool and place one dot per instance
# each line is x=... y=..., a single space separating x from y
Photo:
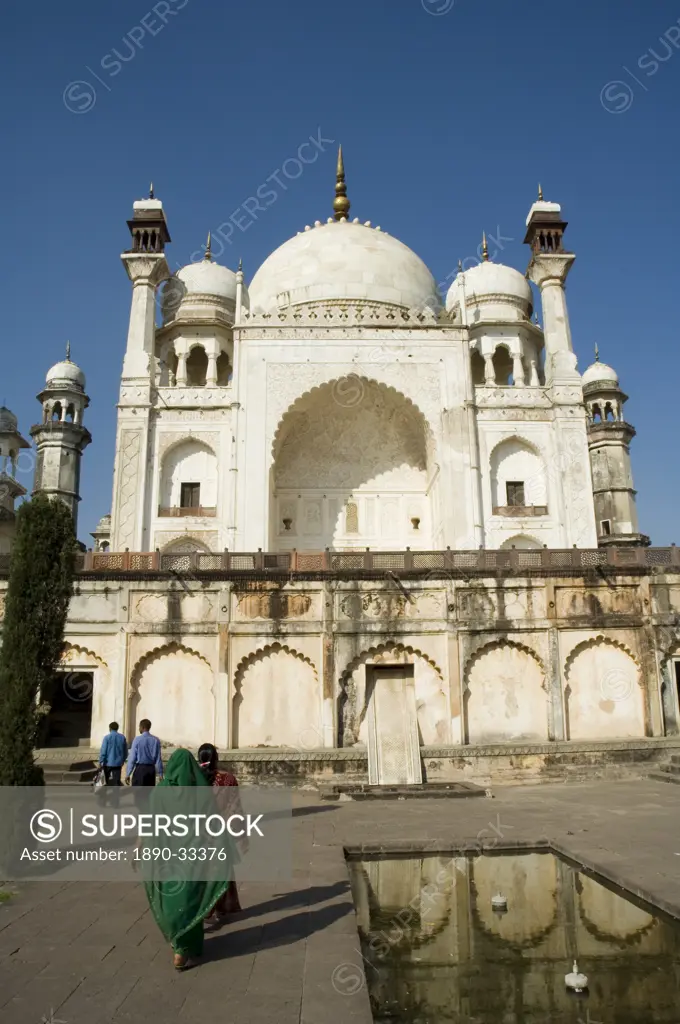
x=436 y=951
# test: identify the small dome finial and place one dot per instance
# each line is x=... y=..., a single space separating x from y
x=597 y=353
x=485 y=248
x=208 y=250
x=460 y=266
x=68 y=351
x=240 y=265
x=540 y=194
x=151 y=195
x=341 y=204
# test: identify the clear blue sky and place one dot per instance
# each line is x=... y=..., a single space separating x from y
x=448 y=121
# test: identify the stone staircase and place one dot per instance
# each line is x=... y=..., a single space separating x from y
x=669 y=772
x=67 y=767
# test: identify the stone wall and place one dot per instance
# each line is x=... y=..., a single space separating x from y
x=251 y=664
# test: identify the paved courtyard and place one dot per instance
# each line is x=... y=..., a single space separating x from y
x=87 y=953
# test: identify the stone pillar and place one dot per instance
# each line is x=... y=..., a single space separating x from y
x=329 y=698
x=517 y=370
x=211 y=375
x=182 y=369
x=489 y=372
x=556 y=718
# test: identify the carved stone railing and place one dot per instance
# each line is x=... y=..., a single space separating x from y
x=520 y=511
x=199 y=511
x=350 y=564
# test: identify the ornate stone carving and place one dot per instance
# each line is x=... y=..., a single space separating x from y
x=208 y=538
x=287 y=382
x=128 y=487
x=205 y=397
x=487 y=398
x=273 y=605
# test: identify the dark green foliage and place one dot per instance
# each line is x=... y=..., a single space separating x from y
x=40 y=585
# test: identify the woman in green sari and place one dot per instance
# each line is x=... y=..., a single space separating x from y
x=180 y=905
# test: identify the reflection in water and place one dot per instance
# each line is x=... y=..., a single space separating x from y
x=435 y=952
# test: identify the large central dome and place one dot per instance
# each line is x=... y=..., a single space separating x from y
x=343 y=260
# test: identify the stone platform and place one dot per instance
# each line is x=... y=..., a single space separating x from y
x=90 y=953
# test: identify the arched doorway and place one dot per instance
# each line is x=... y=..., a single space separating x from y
x=353 y=468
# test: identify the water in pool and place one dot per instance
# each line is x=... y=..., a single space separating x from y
x=436 y=951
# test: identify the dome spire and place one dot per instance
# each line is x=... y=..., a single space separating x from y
x=208 y=249
x=597 y=353
x=68 y=351
x=341 y=204
x=485 y=248
x=540 y=194
x=151 y=195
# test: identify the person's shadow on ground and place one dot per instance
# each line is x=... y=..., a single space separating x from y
x=243 y=942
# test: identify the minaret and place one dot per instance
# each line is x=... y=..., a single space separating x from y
x=548 y=269
x=609 y=437
x=146 y=267
x=61 y=437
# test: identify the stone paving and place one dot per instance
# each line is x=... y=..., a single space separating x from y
x=88 y=953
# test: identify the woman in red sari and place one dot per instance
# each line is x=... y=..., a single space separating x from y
x=207 y=759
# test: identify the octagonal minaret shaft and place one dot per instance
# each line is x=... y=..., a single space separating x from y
x=61 y=437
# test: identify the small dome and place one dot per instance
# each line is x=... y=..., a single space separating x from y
x=490 y=283
x=597 y=372
x=8 y=421
x=343 y=260
x=209 y=280
x=66 y=374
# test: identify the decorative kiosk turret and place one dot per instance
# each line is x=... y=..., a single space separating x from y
x=609 y=437
x=61 y=437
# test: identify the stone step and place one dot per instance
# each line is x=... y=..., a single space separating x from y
x=61 y=773
x=664 y=777
x=426 y=791
x=675 y=758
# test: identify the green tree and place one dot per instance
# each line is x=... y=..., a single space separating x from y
x=40 y=586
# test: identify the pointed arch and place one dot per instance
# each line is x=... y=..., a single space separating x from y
x=597 y=638
x=348 y=388
x=376 y=651
x=276 y=698
x=74 y=652
x=494 y=644
x=172 y=647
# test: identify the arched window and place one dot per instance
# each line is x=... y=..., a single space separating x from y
x=197 y=367
x=502 y=365
x=518 y=478
x=56 y=412
x=70 y=414
x=596 y=414
x=223 y=370
x=521 y=543
x=477 y=367
x=189 y=480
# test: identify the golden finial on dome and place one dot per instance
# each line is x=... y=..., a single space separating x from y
x=485 y=248
x=208 y=250
x=540 y=194
x=341 y=204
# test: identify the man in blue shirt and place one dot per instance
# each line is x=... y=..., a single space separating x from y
x=145 y=761
x=112 y=755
